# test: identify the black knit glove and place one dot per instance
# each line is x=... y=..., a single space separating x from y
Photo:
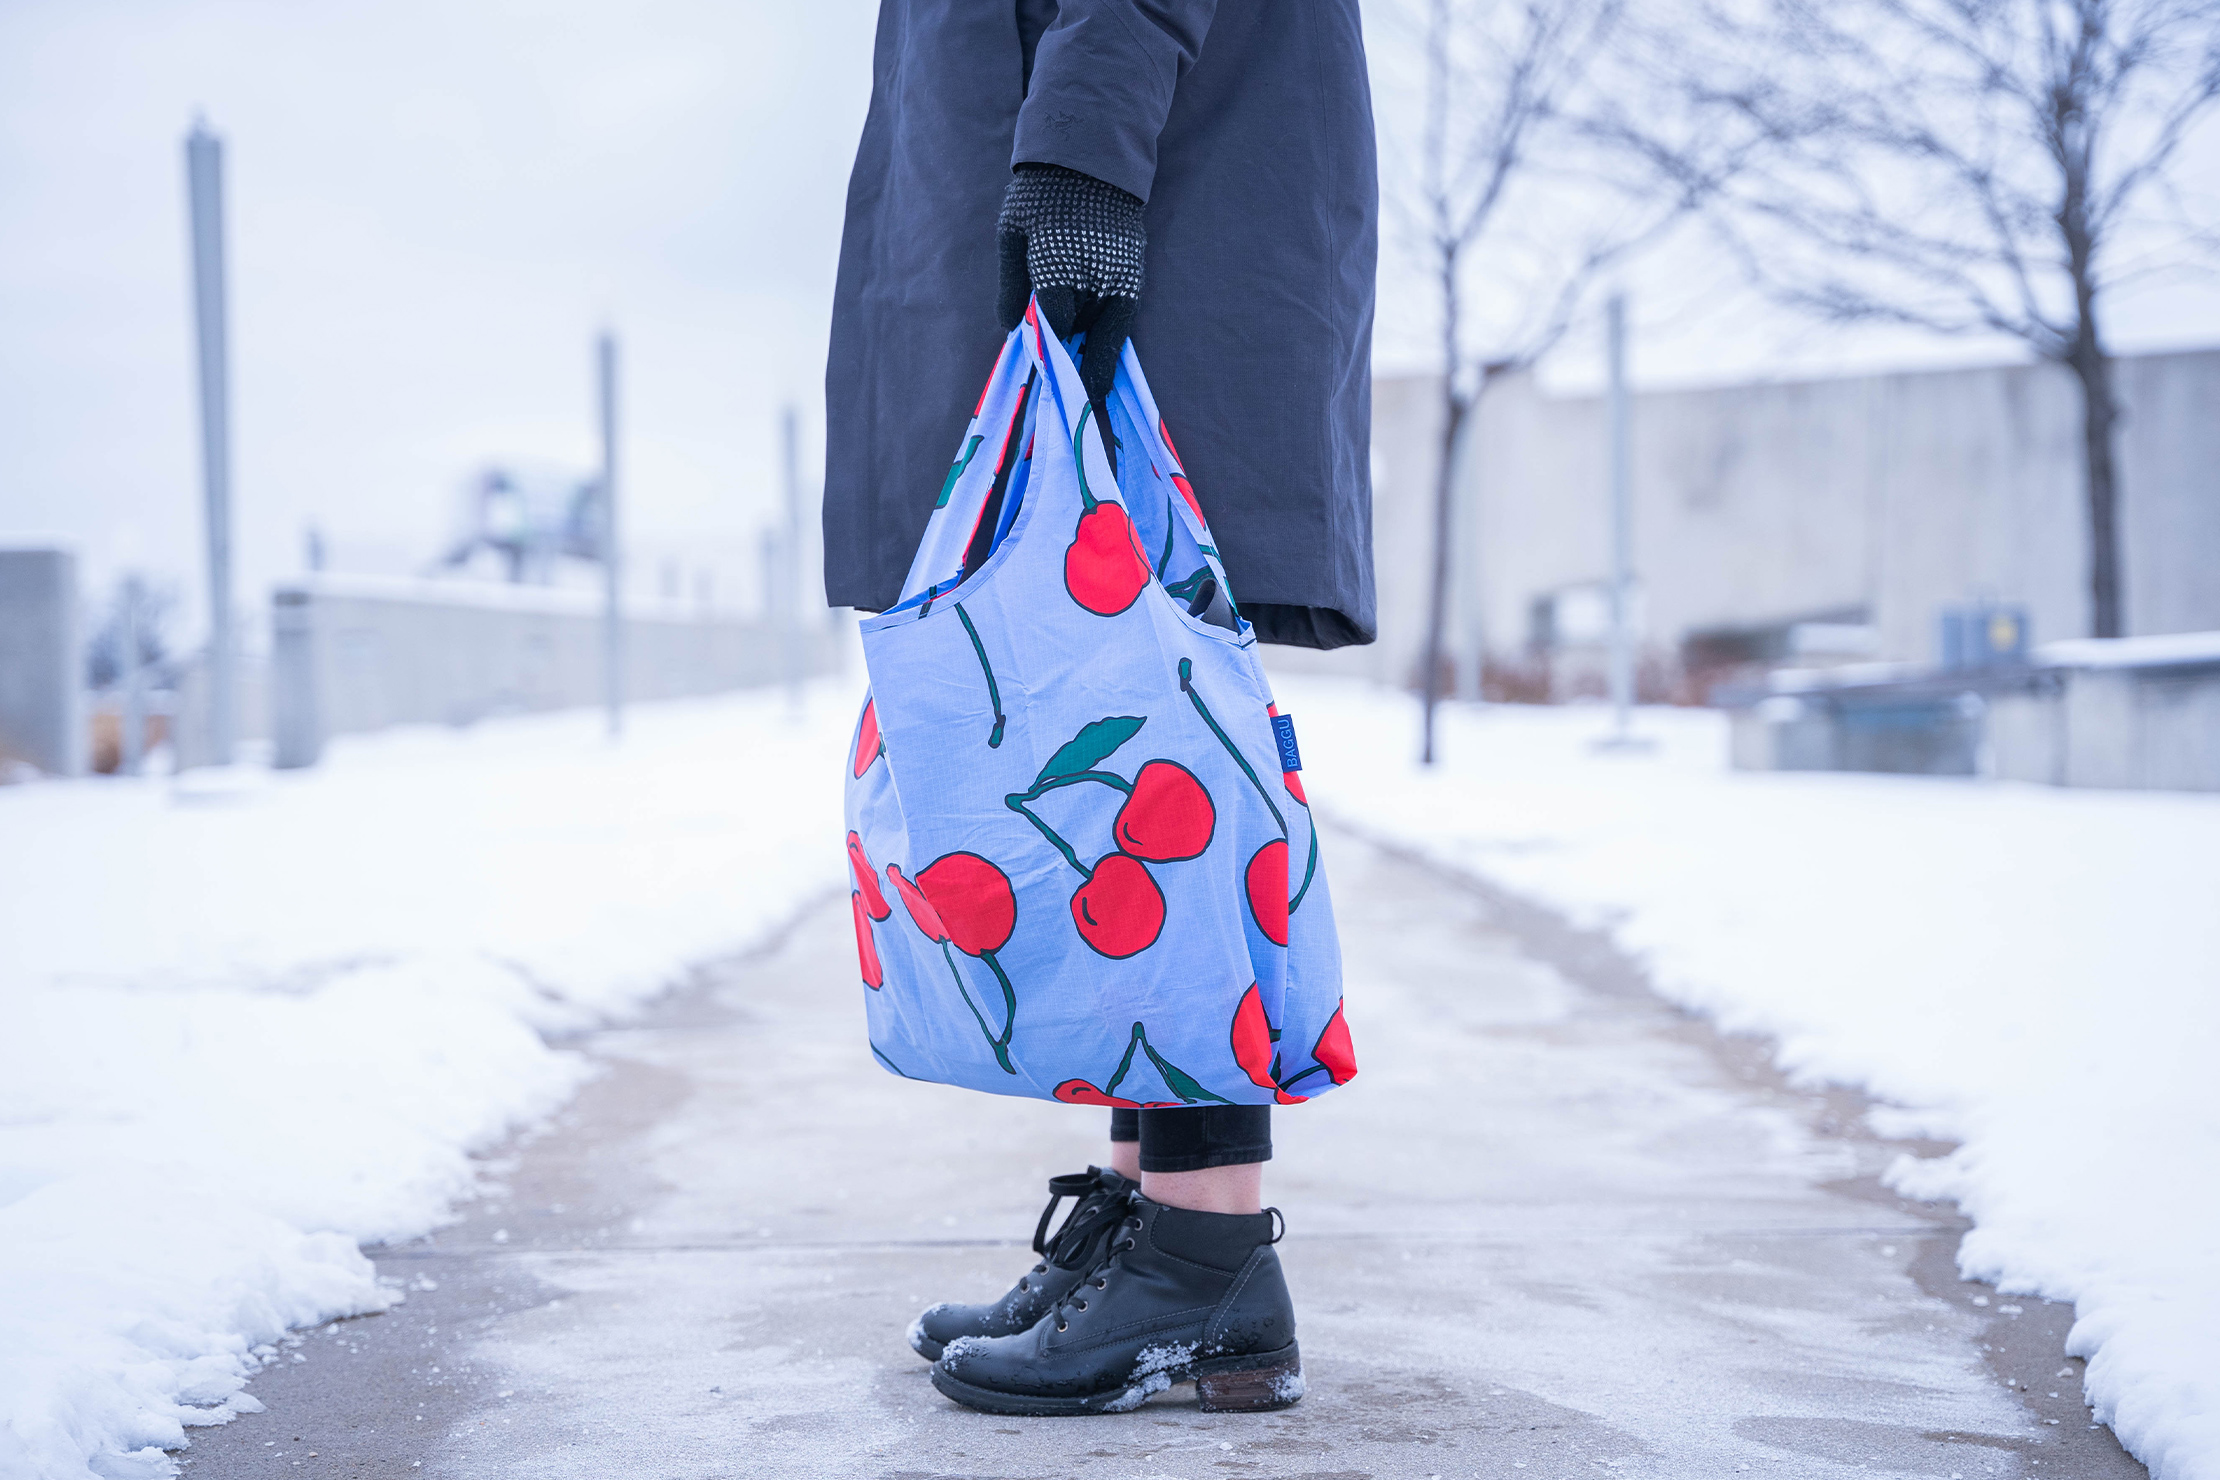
x=1077 y=242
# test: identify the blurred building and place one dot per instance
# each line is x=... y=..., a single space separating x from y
x=1812 y=523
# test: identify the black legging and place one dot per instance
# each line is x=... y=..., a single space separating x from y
x=1190 y=1138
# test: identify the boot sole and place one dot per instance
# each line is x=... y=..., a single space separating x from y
x=1258 y=1383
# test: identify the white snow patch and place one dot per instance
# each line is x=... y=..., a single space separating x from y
x=1289 y=1387
x=2033 y=973
x=244 y=1037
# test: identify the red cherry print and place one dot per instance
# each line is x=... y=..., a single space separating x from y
x=973 y=900
x=869 y=747
x=1252 y=1039
x=867 y=949
x=867 y=880
x=1281 y=1096
x=1165 y=432
x=1104 y=569
x=1187 y=492
x=1334 y=1049
x=1080 y=1092
x=1168 y=818
x=920 y=908
x=1267 y=881
x=1119 y=911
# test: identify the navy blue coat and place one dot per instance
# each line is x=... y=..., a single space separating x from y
x=1246 y=125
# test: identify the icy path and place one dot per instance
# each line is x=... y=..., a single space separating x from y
x=1554 y=1230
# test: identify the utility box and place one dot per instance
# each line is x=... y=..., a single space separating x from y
x=1983 y=635
x=42 y=654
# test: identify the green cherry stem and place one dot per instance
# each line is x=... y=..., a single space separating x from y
x=994 y=693
x=1009 y=1008
x=1001 y=1051
x=1125 y=1063
x=955 y=472
x=1289 y=1085
x=1016 y=802
x=1079 y=458
x=1310 y=870
x=1187 y=687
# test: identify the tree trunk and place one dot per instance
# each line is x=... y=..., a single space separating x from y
x=2100 y=414
x=1437 y=601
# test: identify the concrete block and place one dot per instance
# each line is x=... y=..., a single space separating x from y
x=42 y=655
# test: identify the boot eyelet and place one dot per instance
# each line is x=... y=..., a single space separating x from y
x=1102 y=1284
x=1079 y=1305
x=1062 y=1327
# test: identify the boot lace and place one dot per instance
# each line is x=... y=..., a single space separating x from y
x=1091 y=1214
x=1097 y=1278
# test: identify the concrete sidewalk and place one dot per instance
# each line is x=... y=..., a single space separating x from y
x=1554 y=1229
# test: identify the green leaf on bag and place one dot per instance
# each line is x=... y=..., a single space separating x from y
x=1091 y=746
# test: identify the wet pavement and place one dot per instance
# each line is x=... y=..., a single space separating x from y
x=1555 y=1228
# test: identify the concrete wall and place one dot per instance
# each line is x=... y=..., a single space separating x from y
x=1887 y=494
x=2123 y=727
x=42 y=662
x=351 y=654
x=1406 y=451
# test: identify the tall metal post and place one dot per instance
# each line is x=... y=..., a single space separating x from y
x=204 y=180
x=790 y=563
x=1622 y=536
x=612 y=564
x=134 y=678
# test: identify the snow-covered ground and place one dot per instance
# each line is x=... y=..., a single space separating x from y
x=2032 y=973
x=251 y=1021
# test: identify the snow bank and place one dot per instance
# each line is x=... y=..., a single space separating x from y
x=254 y=1019
x=2032 y=973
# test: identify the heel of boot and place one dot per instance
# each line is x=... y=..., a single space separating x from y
x=1255 y=1384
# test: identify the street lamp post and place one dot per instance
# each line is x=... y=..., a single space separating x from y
x=204 y=179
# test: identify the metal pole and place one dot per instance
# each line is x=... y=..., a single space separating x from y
x=1622 y=543
x=204 y=177
x=612 y=622
x=134 y=679
x=790 y=563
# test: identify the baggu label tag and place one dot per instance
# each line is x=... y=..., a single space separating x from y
x=1283 y=731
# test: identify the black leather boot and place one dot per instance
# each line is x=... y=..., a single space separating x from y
x=1178 y=1296
x=1074 y=1249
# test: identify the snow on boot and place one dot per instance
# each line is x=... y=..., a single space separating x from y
x=1076 y=1247
x=1178 y=1296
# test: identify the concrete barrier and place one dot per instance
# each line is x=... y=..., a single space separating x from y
x=42 y=657
x=2140 y=713
x=352 y=653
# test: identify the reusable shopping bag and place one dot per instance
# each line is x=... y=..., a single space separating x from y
x=1083 y=865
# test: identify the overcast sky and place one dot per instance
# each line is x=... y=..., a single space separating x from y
x=432 y=206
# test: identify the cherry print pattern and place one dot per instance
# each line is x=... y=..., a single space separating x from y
x=978 y=900
x=1119 y=910
x=1255 y=1049
x=873 y=900
x=1176 y=1079
x=1105 y=568
x=1168 y=818
x=1266 y=880
x=869 y=745
x=867 y=949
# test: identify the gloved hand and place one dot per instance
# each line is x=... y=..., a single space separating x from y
x=1077 y=242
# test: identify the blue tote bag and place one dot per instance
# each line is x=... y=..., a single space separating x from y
x=1083 y=867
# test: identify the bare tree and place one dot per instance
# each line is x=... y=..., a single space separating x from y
x=1519 y=193
x=1965 y=166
